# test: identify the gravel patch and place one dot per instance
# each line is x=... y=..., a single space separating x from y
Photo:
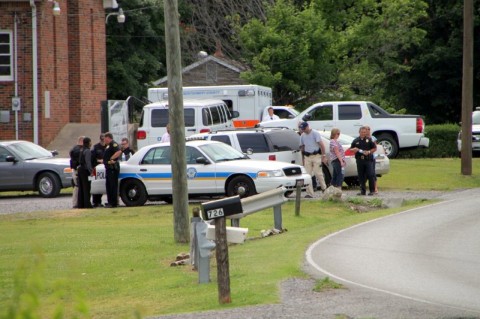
x=300 y=301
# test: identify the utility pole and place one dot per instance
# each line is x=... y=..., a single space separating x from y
x=177 y=123
x=467 y=88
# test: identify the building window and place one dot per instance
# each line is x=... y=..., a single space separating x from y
x=6 y=56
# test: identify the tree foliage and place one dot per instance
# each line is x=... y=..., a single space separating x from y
x=289 y=51
x=135 y=49
x=433 y=86
x=372 y=43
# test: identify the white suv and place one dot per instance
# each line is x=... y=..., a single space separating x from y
x=274 y=144
x=475 y=133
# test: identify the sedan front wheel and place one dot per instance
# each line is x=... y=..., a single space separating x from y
x=48 y=185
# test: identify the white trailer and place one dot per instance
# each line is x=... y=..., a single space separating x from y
x=249 y=100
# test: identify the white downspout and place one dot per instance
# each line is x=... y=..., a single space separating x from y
x=15 y=69
x=35 y=71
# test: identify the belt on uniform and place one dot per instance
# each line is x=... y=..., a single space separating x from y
x=313 y=153
x=363 y=157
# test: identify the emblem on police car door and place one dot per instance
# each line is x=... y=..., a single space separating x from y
x=191 y=173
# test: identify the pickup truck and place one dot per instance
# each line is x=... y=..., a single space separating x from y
x=393 y=131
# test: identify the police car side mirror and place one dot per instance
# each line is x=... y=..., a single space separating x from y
x=202 y=160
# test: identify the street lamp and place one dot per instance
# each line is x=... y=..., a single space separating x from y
x=56 y=7
x=120 y=16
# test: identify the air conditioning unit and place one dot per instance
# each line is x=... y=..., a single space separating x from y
x=110 y=4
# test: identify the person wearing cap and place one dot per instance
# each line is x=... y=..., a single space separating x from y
x=85 y=169
x=313 y=152
x=74 y=163
x=271 y=116
x=112 y=169
x=97 y=154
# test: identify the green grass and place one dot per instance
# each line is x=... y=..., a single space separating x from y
x=117 y=261
x=326 y=284
x=429 y=174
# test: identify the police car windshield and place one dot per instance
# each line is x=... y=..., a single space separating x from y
x=220 y=152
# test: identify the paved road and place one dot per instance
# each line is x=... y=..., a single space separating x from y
x=429 y=254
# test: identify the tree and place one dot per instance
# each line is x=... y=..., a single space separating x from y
x=135 y=49
x=332 y=49
x=373 y=39
x=288 y=51
x=208 y=23
x=433 y=85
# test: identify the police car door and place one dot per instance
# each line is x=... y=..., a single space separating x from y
x=200 y=177
x=155 y=171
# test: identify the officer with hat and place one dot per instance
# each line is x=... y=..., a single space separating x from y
x=364 y=148
x=112 y=169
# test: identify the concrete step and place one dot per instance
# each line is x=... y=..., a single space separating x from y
x=69 y=134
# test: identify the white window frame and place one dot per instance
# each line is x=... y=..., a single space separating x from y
x=10 y=53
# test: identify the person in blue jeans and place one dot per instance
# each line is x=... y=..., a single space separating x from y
x=337 y=158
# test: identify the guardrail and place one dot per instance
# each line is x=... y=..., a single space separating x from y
x=272 y=198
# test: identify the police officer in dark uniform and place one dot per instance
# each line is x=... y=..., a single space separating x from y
x=97 y=154
x=112 y=169
x=85 y=170
x=364 y=148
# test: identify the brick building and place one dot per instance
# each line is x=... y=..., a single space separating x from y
x=54 y=66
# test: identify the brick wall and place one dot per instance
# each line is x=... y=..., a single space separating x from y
x=24 y=66
x=71 y=66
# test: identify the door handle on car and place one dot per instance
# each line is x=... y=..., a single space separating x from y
x=191 y=130
x=143 y=170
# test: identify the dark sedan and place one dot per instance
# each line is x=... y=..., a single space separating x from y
x=25 y=166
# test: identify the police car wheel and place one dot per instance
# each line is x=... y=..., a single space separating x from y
x=242 y=186
x=133 y=193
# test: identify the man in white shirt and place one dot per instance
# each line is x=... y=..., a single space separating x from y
x=314 y=155
x=270 y=116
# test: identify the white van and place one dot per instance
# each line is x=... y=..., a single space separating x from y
x=200 y=116
x=249 y=100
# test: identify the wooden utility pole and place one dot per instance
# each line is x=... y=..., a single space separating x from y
x=223 y=264
x=467 y=87
x=177 y=124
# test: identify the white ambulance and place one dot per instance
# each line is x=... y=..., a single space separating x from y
x=249 y=100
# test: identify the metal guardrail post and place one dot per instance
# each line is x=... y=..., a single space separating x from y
x=298 y=195
x=277 y=217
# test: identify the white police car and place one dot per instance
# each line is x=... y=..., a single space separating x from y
x=213 y=168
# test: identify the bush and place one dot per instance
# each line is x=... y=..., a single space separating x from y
x=443 y=143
